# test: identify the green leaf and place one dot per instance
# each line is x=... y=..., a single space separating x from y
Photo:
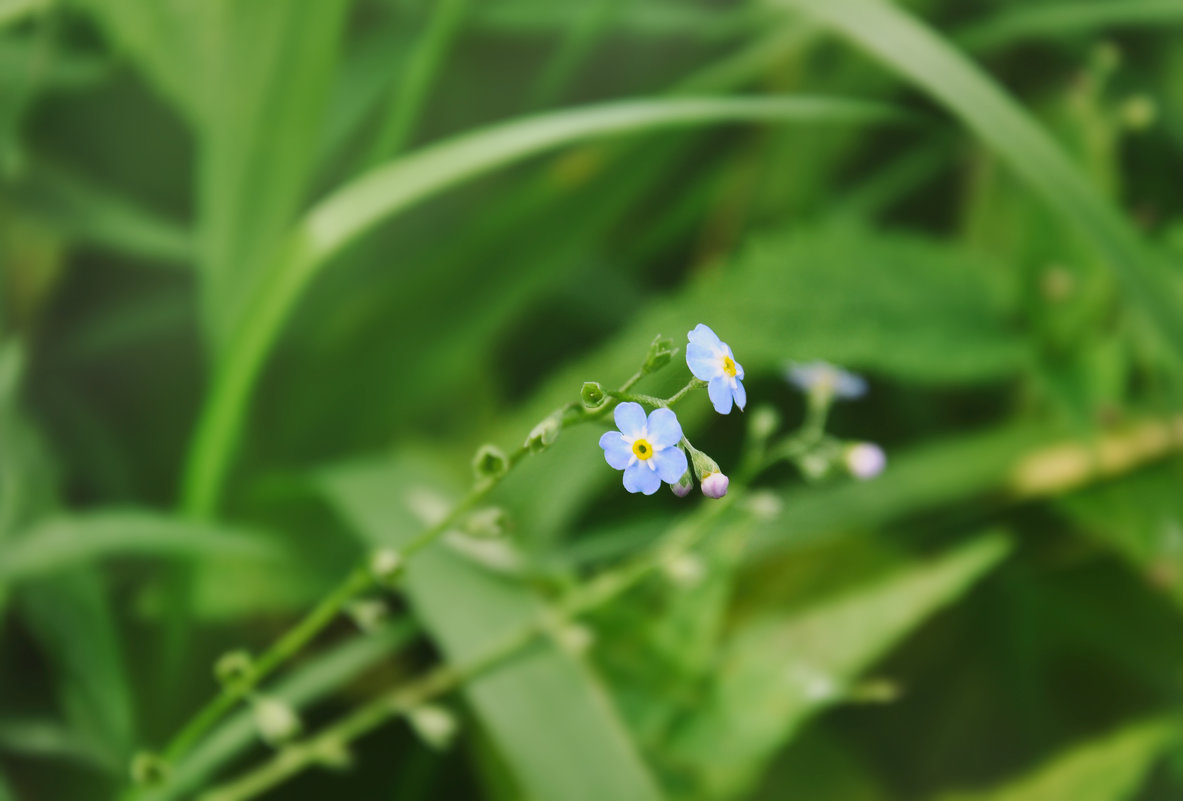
x=62 y=542
x=1057 y=20
x=778 y=670
x=95 y=214
x=1108 y=768
x=70 y=617
x=258 y=142
x=1140 y=516
x=544 y=710
x=382 y=193
x=307 y=683
x=920 y=55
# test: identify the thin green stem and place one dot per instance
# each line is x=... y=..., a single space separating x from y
x=430 y=50
x=358 y=580
x=333 y=740
x=651 y=400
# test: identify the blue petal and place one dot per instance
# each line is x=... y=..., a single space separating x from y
x=851 y=385
x=664 y=428
x=630 y=419
x=702 y=335
x=703 y=362
x=640 y=477
x=740 y=394
x=719 y=390
x=671 y=464
x=616 y=449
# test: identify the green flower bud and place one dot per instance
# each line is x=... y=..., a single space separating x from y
x=276 y=721
x=367 y=613
x=490 y=462
x=543 y=435
x=435 y=724
x=234 y=668
x=488 y=523
x=386 y=566
x=661 y=350
x=703 y=464
x=148 y=769
x=593 y=396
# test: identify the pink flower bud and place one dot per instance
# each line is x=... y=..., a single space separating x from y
x=715 y=485
x=865 y=460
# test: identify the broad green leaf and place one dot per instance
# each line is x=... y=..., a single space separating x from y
x=1140 y=516
x=920 y=55
x=776 y=670
x=546 y=714
x=1108 y=768
x=58 y=543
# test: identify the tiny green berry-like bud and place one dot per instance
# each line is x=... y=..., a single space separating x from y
x=386 y=565
x=490 y=462
x=436 y=725
x=276 y=720
x=684 y=485
x=234 y=667
x=593 y=396
x=543 y=435
x=661 y=351
x=148 y=769
x=367 y=613
x=488 y=523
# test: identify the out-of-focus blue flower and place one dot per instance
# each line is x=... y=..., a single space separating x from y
x=711 y=360
x=865 y=460
x=826 y=380
x=645 y=448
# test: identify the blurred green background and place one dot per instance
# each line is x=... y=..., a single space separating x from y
x=272 y=270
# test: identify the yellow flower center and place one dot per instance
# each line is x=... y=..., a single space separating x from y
x=642 y=449
x=729 y=366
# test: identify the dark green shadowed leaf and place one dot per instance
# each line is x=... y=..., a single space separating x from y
x=918 y=54
x=1108 y=768
x=776 y=670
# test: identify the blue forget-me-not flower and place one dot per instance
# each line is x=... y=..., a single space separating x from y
x=646 y=449
x=826 y=380
x=711 y=360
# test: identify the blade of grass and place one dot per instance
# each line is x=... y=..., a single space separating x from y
x=61 y=542
x=1057 y=20
x=923 y=57
x=350 y=212
x=411 y=90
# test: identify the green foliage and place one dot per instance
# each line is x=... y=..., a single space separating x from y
x=1106 y=769
x=271 y=273
x=469 y=609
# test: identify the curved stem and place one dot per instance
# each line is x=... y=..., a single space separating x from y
x=358 y=580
